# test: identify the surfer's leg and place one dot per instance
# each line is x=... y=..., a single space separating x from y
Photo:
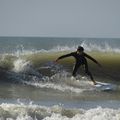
x=75 y=69
x=89 y=73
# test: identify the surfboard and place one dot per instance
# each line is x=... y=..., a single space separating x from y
x=104 y=86
x=100 y=86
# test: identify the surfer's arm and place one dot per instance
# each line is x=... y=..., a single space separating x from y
x=64 y=56
x=91 y=58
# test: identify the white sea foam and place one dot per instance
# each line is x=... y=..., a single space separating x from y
x=21 y=65
x=60 y=87
x=92 y=114
x=64 y=84
x=56 y=112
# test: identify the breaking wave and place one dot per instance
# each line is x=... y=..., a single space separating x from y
x=22 y=111
x=23 y=72
x=35 y=67
x=89 y=46
x=61 y=80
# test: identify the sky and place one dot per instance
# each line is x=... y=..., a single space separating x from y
x=60 y=18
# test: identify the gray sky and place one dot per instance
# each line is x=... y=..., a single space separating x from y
x=60 y=18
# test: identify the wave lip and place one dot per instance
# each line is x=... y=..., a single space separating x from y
x=104 y=47
x=87 y=46
x=90 y=46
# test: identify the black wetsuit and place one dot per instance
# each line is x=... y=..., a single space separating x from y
x=80 y=60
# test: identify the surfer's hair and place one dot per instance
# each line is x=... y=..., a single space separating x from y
x=80 y=48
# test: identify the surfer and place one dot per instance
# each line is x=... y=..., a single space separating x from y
x=80 y=57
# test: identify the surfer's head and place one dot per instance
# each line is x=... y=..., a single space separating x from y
x=80 y=49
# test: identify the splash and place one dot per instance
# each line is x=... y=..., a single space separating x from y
x=21 y=65
x=104 y=47
x=64 y=83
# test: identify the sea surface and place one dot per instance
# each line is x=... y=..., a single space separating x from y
x=34 y=87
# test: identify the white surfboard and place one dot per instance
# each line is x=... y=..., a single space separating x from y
x=104 y=86
x=100 y=86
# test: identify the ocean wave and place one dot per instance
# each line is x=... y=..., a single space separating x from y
x=32 y=111
x=38 y=57
x=89 y=46
x=23 y=72
x=50 y=76
x=104 y=47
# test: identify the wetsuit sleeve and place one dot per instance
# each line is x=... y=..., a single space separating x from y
x=64 y=56
x=88 y=56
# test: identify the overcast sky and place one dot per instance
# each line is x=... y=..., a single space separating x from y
x=60 y=18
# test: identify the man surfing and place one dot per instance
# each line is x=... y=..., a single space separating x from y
x=80 y=57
